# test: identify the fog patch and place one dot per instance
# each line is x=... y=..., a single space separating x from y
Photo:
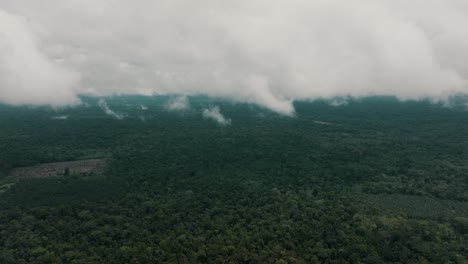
x=318 y=122
x=103 y=105
x=338 y=101
x=142 y=118
x=180 y=103
x=60 y=117
x=215 y=114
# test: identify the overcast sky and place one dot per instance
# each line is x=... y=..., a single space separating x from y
x=267 y=52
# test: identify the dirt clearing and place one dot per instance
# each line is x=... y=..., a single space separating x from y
x=78 y=167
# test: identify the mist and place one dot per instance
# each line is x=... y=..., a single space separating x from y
x=179 y=103
x=214 y=113
x=268 y=53
x=103 y=105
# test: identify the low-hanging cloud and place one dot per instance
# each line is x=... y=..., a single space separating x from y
x=28 y=76
x=214 y=113
x=59 y=117
x=180 y=103
x=103 y=105
x=259 y=51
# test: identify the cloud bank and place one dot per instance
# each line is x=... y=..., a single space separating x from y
x=214 y=113
x=28 y=76
x=260 y=51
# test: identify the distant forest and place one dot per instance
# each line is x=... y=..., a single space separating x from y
x=371 y=180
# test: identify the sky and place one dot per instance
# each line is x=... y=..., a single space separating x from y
x=266 y=52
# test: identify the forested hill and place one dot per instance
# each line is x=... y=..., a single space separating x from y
x=371 y=180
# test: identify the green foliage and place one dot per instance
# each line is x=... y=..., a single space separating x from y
x=374 y=181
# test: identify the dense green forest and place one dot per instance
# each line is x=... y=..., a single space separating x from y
x=372 y=180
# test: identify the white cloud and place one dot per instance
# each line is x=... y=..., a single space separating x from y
x=338 y=101
x=179 y=103
x=260 y=51
x=103 y=105
x=27 y=75
x=60 y=117
x=214 y=113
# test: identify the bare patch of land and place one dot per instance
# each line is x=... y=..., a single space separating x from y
x=79 y=167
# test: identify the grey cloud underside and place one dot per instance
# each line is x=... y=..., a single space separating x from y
x=264 y=52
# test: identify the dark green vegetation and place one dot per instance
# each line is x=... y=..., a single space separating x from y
x=372 y=181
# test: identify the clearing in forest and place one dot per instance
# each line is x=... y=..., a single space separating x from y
x=78 y=167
